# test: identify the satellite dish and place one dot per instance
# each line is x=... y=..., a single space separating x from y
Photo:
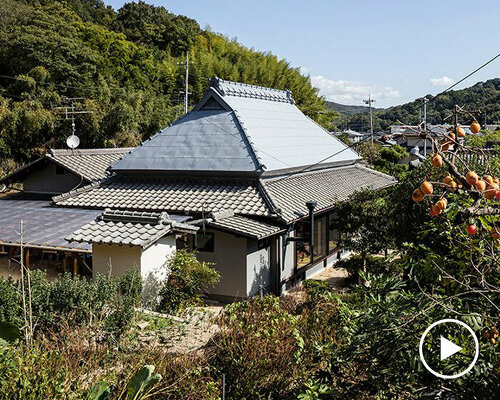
x=73 y=141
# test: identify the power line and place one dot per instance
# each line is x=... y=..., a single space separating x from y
x=95 y=130
x=82 y=89
x=354 y=144
x=467 y=76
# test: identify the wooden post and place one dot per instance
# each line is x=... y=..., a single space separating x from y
x=65 y=262
x=27 y=258
x=75 y=266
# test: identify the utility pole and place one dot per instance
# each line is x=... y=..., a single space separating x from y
x=426 y=100
x=369 y=102
x=186 y=83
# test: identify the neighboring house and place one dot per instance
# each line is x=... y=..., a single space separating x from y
x=60 y=171
x=45 y=226
x=411 y=138
x=238 y=169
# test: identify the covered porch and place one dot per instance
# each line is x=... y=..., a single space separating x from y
x=43 y=229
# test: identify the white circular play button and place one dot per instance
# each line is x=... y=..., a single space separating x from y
x=449 y=348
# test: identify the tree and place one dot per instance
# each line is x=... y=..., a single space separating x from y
x=125 y=67
x=363 y=224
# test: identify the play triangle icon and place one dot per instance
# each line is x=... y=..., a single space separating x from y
x=448 y=348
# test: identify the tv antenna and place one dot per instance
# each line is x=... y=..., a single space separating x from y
x=69 y=113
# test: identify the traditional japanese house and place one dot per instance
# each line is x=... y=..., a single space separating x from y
x=239 y=179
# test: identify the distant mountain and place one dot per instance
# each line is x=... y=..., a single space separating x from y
x=347 y=109
x=483 y=96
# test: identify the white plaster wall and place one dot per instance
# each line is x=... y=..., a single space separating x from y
x=320 y=266
x=258 y=270
x=154 y=270
x=230 y=257
x=288 y=260
x=119 y=258
x=46 y=181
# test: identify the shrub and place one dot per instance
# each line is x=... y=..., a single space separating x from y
x=374 y=265
x=260 y=349
x=187 y=281
x=106 y=303
x=10 y=301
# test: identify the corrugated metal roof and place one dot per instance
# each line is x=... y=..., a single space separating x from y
x=200 y=141
x=45 y=226
x=172 y=195
x=325 y=187
x=259 y=127
x=246 y=227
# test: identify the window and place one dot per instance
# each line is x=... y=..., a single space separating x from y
x=302 y=249
x=326 y=239
x=333 y=235
x=320 y=250
x=60 y=170
x=204 y=242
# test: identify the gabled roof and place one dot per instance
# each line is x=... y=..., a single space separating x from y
x=90 y=164
x=238 y=128
x=129 y=228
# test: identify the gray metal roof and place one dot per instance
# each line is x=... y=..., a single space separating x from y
x=91 y=164
x=283 y=136
x=325 y=187
x=172 y=195
x=129 y=228
x=45 y=226
x=247 y=227
x=202 y=140
x=238 y=128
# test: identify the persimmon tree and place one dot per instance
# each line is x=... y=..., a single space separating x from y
x=457 y=262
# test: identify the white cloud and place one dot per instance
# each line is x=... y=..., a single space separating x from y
x=351 y=92
x=444 y=81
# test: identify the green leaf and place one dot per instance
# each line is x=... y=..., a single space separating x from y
x=100 y=391
x=141 y=382
x=9 y=332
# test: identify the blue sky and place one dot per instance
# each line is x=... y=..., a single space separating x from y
x=395 y=50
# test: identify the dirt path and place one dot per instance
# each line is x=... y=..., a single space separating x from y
x=337 y=277
x=179 y=336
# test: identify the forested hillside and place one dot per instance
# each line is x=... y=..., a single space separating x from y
x=346 y=109
x=124 y=67
x=484 y=96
